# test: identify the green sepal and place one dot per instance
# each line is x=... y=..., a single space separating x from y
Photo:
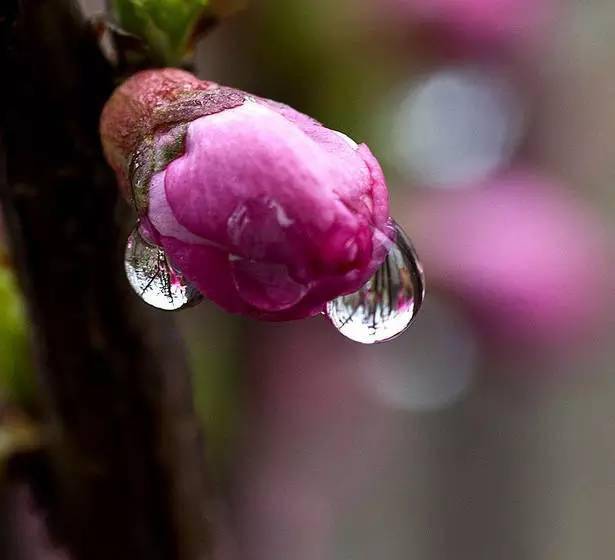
x=150 y=158
x=166 y=26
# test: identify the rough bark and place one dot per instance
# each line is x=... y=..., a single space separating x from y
x=127 y=461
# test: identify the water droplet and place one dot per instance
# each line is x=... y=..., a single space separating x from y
x=154 y=279
x=386 y=305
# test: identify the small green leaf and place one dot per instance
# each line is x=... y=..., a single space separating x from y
x=166 y=26
x=17 y=383
x=16 y=377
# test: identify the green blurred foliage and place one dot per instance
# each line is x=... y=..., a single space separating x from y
x=167 y=26
x=16 y=375
x=316 y=57
x=215 y=355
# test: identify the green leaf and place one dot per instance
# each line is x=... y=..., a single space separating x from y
x=16 y=377
x=166 y=26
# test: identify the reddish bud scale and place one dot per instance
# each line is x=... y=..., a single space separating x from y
x=155 y=101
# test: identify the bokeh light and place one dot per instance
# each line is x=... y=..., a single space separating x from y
x=432 y=373
x=458 y=125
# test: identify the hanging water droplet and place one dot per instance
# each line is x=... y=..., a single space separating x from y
x=386 y=305
x=154 y=279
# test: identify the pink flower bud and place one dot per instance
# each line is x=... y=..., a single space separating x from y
x=266 y=211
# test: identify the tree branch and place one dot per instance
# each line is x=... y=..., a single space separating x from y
x=127 y=459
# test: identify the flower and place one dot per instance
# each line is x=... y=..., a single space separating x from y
x=266 y=211
x=530 y=260
x=485 y=22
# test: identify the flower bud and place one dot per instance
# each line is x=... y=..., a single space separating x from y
x=266 y=211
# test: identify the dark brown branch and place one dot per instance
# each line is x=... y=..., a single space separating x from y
x=127 y=465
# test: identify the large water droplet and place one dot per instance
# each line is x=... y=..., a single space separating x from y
x=153 y=278
x=386 y=305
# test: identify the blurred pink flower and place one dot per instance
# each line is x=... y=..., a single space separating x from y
x=266 y=211
x=528 y=258
x=315 y=439
x=479 y=21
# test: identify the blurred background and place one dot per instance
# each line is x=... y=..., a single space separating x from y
x=486 y=430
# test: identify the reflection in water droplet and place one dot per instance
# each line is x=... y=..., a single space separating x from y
x=386 y=305
x=154 y=279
